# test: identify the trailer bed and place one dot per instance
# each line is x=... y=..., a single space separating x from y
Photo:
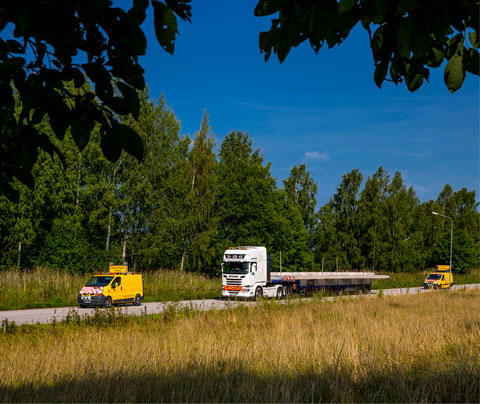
x=302 y=282
x=287 y=276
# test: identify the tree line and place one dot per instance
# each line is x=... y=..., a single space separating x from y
x=188 y=200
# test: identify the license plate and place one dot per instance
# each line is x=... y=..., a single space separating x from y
x=234 y=288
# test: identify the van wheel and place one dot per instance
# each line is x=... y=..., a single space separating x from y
x=279 y=293
x=258 y=293
x=108 y=302
x=138 y=300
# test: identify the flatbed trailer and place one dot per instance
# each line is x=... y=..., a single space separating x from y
x=246 y=274
x=302 y=282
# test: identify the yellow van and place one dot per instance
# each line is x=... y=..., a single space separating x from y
x=441 y=278
x=118 y=286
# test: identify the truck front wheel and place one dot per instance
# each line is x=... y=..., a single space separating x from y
x=258 y=293
x=108 y=302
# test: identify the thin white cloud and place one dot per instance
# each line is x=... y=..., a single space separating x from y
x=317 y=156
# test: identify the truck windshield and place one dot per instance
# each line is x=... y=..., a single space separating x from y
x=434 y=276
x=99 y=281
x=235 y=267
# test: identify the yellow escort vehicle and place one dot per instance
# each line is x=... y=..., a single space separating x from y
x=118 y=286
x=440 y=278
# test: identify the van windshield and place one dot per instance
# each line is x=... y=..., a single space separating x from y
x=434 y=276
x=99 y=281
x=235 y=267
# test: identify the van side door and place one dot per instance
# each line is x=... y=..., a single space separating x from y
x=129 y=288
x=117 y=290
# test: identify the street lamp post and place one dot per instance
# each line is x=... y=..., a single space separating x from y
x=451 y=243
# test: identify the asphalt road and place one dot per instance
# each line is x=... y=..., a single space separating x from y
x=34 y=316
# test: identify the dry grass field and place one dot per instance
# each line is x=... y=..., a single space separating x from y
x=422 y=348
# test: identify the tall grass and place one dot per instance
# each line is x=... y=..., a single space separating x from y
x=168 y=285
x=42 y=287
x=45 y=287
x=421 y=348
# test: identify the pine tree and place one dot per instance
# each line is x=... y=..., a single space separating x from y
x=325 y=238
x=197 y=221
x=289 y=236
x=345 y=212
x=403 y=235
x=372 y=219
x=245 y=193
x=301 y=190
x=150 y=192
x=250 y=208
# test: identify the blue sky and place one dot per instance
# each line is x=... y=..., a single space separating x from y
x=322 y=110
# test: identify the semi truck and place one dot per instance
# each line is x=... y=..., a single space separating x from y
x=246 y=273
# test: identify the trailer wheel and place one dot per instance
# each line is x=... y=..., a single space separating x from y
x=138 y=300
x=108 y=302
x=258 y=293
x=279 y=293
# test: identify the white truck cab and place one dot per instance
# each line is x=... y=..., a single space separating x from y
x=246 y=273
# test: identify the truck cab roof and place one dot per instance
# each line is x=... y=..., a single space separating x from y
x=245 y=253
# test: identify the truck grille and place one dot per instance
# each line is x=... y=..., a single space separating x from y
x=233 y=281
